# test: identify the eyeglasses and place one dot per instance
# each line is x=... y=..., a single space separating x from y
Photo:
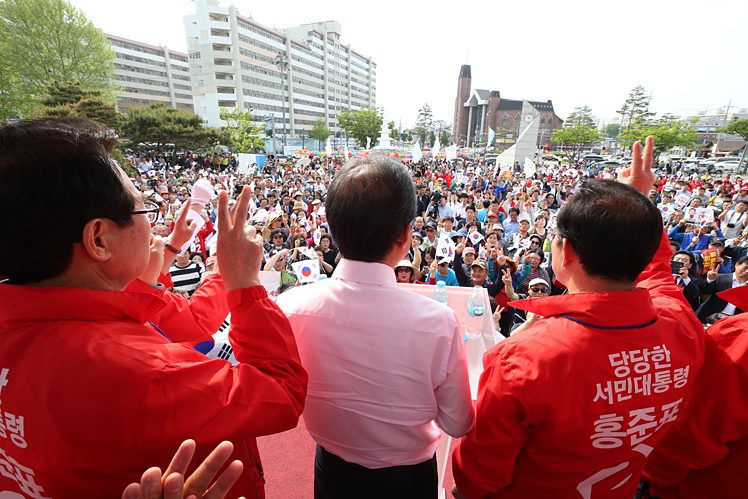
x=539 y=290
x=151 y=210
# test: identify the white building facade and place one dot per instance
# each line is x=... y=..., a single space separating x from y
x=236 y=62
x=146 y=74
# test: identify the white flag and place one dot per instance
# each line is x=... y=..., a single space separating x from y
x=451 y=152
x=416 y=152
x=306 y=270
x=308 y=252
x=445 y=248
x=475 y=237
x=368 y=142
x=529 y=167
x=435 y=149
x=328 y=147
x=346 y=151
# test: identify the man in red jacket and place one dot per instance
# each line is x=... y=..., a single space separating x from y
x=705 y=455
x=572 y=406
x=93 y=393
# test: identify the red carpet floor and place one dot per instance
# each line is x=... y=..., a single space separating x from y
x=288 y=463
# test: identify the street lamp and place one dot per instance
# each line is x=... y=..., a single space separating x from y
x=281 y=60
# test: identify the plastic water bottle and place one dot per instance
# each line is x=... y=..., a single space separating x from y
x=440 y=293
x=476 y=309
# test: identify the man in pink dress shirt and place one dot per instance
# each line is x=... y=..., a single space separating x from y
x=385 y=365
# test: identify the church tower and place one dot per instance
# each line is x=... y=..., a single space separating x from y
x=460 y=123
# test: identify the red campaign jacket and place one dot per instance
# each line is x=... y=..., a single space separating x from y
x=104 y=397
x=189 y=321
x=548 y=424
x=705 y=455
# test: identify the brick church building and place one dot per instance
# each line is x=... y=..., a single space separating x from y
x=477 y=110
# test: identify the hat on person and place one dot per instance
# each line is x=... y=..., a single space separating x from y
x=276 y=232
x=719 y=241
x=461 y=233
x=491 y=214
x=540 y=239
x=469 y=250
x=417 y=234
x=431 y=225
x=538 y=280
x=480 y=263
x=297 y=193
x=316 y=201
x=498 y=227
x=274 y=216
x=444 y=260
x=525 y=218
x=298 y=205
x=404 y=263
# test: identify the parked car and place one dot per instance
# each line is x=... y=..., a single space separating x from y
x=551 y=157
x=593 y=157
x=612 y=164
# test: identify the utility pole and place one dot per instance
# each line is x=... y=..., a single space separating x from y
x=281 y=60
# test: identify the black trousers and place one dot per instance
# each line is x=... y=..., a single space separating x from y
x=338 y=479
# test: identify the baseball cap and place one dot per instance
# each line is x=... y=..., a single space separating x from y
x=525 y=218
x=469 y=250
x=444 y=260
x=717 y=240
x=491 y=214
x=498 y=227
x=538 y=281
x=480 y=263
x=417 y=234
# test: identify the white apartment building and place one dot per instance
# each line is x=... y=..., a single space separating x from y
x=234 y=63
x=147 y=74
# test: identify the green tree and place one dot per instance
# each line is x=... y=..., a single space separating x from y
x=635 y=110
x=44 y=40
x=245 y=133
x=72 y=99
x=666 y=135
x=575 y=138
x=320 y=132
x=393 y=131
x=158 y=126
x=581 y=116
x=424 y=123
x=442 y=130
x=737 y=127
x=612 y=130
x=362 y=124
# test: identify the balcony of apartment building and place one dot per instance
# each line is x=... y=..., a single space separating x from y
x=220 y=37
x=225 y=80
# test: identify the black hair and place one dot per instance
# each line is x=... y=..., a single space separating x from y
x=486 y=203
x=742 y=259
x=613 y=228
x=513 y=210
x=369 y=204
x=74 y=181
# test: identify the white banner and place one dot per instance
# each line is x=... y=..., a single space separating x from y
x=451 y=152
x=529 y=167
x=416 y=152
x=435 y=149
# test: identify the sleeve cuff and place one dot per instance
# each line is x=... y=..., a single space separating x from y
x=242 y=296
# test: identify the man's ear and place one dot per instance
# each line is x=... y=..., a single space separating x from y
x=569 y=256
x=96 y=240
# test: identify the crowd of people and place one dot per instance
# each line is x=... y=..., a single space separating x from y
x=601 y=281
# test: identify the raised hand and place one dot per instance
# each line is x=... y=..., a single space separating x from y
x=183 y=227
x=172 y=484
x=239 y=248
x=639 y=175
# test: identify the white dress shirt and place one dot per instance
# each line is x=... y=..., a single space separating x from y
x=383 y=365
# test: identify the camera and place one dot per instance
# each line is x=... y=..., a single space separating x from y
x=730 y=226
